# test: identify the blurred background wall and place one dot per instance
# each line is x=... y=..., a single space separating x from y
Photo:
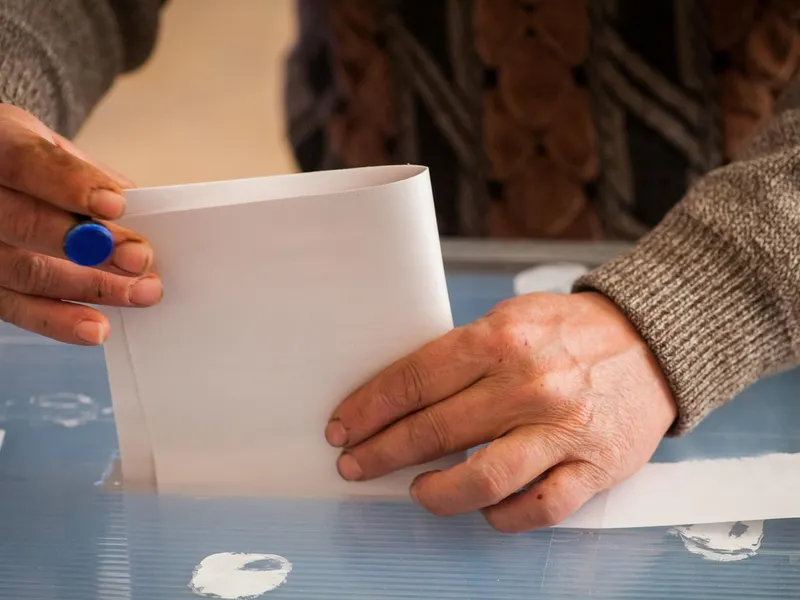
x=208 y=105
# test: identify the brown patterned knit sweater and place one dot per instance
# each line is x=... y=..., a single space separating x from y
x=672 y=122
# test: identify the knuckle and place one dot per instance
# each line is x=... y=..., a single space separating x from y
x=593 y=478
x=558 y=387
x=31 y=273
x=103 y=288
x=492 y=482
x=389 y=398
x=22 y=221
x=429 y=431
x=412 y=376
x=474 y=335
x=474 y=342
x=502 y=307
x=9 y=306
x=550 y=384
x=551 y=512
x=405 y=389
x=610 y=454
x=510 y=337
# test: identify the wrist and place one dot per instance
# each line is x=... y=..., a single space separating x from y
x=702 y=314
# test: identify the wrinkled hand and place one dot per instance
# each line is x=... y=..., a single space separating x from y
x=561 y=385
x=44 y=181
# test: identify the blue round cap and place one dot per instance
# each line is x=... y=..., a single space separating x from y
x=89 y=244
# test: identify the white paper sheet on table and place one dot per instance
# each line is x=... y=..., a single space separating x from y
x=283 y=294
x=694 y=492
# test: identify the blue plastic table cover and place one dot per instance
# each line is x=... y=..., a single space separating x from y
x=64 y=536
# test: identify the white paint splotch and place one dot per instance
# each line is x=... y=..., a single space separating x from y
x=722 y=542
x=548 y=278
x=66 y=409
x=239 y=576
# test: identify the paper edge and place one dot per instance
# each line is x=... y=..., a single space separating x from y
x=133 y=445
x=595 y=513
x=132 y=196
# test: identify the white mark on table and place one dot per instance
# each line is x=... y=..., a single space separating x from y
x=722 y=542
x=112 y=475
x=239 y=576
x=66 y=408
x=548 y=278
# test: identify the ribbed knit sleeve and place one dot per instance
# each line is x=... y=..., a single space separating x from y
x=58 y=58
x=715 y=288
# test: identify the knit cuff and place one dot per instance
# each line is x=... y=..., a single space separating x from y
x=711 y=324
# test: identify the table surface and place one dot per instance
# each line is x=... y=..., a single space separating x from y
x=65 y=536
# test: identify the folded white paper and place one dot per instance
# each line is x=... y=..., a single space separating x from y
x=696 y=492
x=282 y=295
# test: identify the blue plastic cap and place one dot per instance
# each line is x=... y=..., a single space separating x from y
x=89 y=244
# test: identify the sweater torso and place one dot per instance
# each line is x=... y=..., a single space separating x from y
x=554 y=119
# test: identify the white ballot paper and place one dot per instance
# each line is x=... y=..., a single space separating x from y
x=282 y=295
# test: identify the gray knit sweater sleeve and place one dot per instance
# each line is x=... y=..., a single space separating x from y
x=58 y=57
x=715 y=288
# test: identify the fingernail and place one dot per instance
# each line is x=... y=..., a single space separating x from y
x=106 y=204
x=336 y=434
x=91 y=332
x=133 y=257
x=146 y=292
x=349 y=468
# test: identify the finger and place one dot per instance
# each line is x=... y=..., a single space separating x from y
x=34 y=225
x=442 y=429
x=490 y=475
x=61 y=321
x=35 y=166
x=547 y=502
x=39 y=275
x=13 y=113
x=62 y=142
x=133 y=255
x=438 y=370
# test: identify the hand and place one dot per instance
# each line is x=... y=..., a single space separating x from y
x=44 y=181
x=562 y=386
